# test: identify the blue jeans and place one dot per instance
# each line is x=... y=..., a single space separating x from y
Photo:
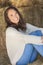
x=31 y=51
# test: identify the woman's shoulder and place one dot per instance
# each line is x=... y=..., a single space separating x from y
x=10 y=30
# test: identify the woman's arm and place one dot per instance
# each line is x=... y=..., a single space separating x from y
x=42 y=38
x=31 y=39
x=31 y=28
x=41 y=30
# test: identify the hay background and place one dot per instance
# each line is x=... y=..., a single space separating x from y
x=32 y=12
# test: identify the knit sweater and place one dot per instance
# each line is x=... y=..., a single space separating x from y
x=16 y=41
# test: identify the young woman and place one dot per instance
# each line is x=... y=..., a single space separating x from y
x=21 y=41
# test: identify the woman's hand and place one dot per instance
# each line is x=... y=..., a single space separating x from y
x=42 y=38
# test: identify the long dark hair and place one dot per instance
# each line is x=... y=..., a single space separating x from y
x=21 y=24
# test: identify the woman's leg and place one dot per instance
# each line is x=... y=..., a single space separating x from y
x=34 y=55
x=39 y=48
x=30 y=53
x=25 y=59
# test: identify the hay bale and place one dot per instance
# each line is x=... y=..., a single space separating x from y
x=32 y=13
x=20 y=3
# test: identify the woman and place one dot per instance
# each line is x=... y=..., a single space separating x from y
x=19 y=41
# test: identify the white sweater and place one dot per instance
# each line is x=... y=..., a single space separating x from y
x=16 y=41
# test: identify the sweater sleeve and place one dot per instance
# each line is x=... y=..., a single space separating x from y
x=30 y=39
x=31 y=28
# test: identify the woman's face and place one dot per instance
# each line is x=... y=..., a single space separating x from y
x=13 y=16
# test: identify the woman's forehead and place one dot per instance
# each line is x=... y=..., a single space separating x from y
x=12 y=11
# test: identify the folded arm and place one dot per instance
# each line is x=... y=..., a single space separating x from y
x=31 y=28
x=31 y=39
